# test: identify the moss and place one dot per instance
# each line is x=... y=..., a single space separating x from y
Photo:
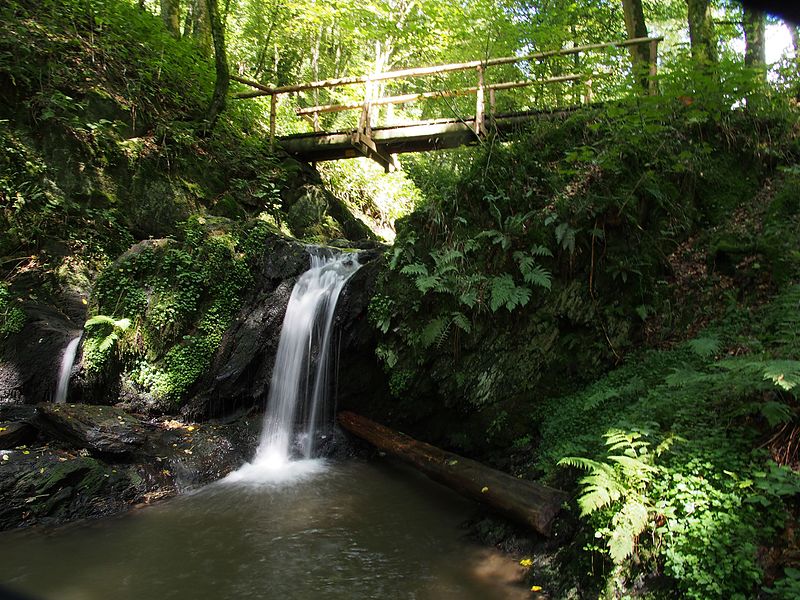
x=180 y=296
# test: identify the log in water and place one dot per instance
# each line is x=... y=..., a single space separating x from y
x=527 y=502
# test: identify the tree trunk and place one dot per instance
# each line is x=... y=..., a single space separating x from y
x=527 y=502
x=701 y=32
x=221 y=63
x=636 y=27
x=755 y=51
x=201 y=26
x=171 y=16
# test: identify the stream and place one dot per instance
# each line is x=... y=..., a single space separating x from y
x=349 y=529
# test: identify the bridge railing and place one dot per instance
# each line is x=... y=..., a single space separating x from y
x=485 y=93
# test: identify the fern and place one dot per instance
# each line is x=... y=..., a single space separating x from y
x=102 y=334
x=462 y=322
x=621 y=482
x=532 y=272
x=417 y=269
x=705 y=346
x=505 y=293
x=434 y=333
x=426 y=283
x=783 y=373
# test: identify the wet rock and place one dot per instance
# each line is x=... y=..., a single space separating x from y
x=60 y=481
x=52 y=486
x=103 y=429
x=361 y=385
x=30 y=359
x=241 y=373
x=15 y=434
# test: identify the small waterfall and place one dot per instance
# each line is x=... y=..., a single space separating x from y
x=67 y=361
x=300 y=384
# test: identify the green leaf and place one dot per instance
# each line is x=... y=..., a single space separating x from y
x=705 y=346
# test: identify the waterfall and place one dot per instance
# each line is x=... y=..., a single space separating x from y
x=67 y=360
x=298 y=394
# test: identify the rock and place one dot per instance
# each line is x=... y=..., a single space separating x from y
x=240 y=375
x=51 y=484
x=362 y=385
x=16 y=434
x=241 y=371
x=30 y=359
x=102 y=429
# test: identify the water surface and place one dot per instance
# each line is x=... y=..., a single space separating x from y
x=347 y=530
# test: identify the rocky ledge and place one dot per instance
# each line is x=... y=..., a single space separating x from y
x=64 y=462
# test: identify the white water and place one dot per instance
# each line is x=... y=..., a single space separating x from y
x=67 y=361
x=298 y=394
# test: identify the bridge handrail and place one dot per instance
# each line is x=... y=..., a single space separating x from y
x=479 y=90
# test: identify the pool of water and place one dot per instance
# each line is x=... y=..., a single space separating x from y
x=349 y=530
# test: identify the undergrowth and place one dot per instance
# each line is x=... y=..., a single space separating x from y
x=689 y=454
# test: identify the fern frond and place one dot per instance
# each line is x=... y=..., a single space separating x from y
x=434 y=332
x=579 y=463
x=98 y=320
x=783 y=373
x=630 y=522
x=462 y=322
x=426 y=283
x=468 y=298
x=417 y=269
x=538 y=275
x=776 y=413
x=632 y=466
x=597 y=497
x=705 y=346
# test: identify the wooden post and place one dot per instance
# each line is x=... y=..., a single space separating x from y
x=480 y=105
x=492 y=106
x=273 y=106
x=588 y=98
x=364 y=125
x=315 y=122
x=653 y=84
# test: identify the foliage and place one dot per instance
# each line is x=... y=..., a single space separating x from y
x=101 y=337
x=555 y=249
x=699 y=509
x=180 y=298
x=624 y=483
x=12 y=317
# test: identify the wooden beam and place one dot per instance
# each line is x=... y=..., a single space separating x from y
x=405 y=98
x=524 y=501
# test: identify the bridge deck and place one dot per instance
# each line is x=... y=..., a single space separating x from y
x=397 y=139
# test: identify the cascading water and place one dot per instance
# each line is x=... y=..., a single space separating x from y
x=300 y=379
x=67 y=361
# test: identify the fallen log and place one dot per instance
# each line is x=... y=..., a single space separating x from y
x=527 y=502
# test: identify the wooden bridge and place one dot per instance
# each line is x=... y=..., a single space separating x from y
x=383 y=142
